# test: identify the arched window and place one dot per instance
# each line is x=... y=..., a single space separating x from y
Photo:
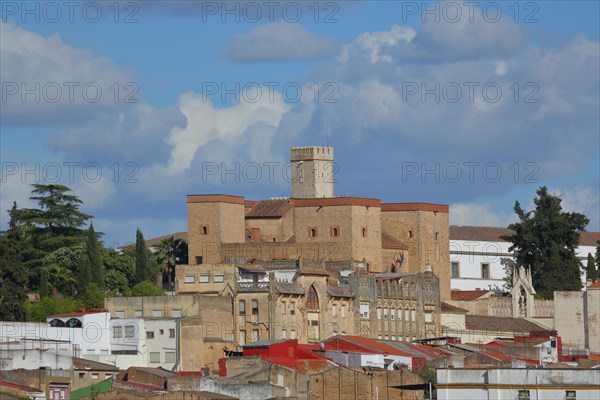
x=57 y=323
x=312 y=301
x=73 y=323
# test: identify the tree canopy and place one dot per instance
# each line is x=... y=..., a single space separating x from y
x=546 y=239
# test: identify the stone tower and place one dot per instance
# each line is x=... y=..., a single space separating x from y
x=312 y=172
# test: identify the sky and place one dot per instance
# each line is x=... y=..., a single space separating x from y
x=134 y=104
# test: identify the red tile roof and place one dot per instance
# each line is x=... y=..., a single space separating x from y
x=390 y=242
x=19 y=387
x=80 y=313
x=141 y=385
x=595 y=285
x=493 y=234
x=270 y=208
x=467 y=294
x=496 y=355
x=589 y=238
x=374 y=346
x=450 y=309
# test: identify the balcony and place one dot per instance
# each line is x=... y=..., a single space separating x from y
x=252 y=286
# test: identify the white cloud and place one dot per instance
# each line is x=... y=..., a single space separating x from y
x=232 y=128
x=584 y=199
x=478 y=214
x=280 y=41
x=372 y=45
x=68 y=83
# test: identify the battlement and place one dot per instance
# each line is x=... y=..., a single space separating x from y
x=312 y=153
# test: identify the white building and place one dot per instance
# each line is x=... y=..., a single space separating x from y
x=518 y=384
x=476 y=252
x=78 y=334
x=143 y=342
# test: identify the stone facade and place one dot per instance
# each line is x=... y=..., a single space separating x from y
x=316 y=226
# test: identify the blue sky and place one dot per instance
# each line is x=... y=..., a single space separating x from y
x=406 y=92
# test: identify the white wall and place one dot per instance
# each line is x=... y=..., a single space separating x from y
x=470 y=255
x=503 y=384
x=34 y=354
x=91 y=339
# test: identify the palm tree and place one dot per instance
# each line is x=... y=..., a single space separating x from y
x=170 y=252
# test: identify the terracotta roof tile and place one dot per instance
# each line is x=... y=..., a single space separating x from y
x=501 y=324
x=390 y=242
x=589 y=238
x=467 y=294
x=270 y=209
x=595 y=285
x=450 y=309
x=496 y=355
x=478 y=233
x=19 y=387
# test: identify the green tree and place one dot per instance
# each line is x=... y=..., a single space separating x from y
x=13 y=291
x=94 y=253
x=68 y=270
x=142 y=263
x=590 y=268
x=119 y=269
x=546 y=239
x=38 y=312
x=94 y=297
x=44 y=290
x=55 y=224
x=146 y=288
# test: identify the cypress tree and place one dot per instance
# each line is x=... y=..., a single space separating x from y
x=94 y=253
x=141 y=258
x=44 y=291
x=12 y=271
x=592 y=274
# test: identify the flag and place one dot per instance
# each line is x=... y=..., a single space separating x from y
x=401 y=260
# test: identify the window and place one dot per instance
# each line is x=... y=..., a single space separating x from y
x=343 y=311
x=150 y=335
x=334 y=310
x=255 y=335
x=364 y=311
x=282 y=307
x=117 y=332
x=254 y=307
x=410 y=233
x=242 y=337
x=301 y=175
x=437 y=236
x=364 y=232
x=120 y=314
x=81 y=375
x=170 y=357
x=283 y=333
x=198 y=260
x=293 y=334
x=399 y=315
x=378 y=313
x=455 y=270
x=161 y=331
x=204 y=278
x=242 y=307
x=157 y=313
x=95 y=377
x=570 y=395
x=392 y=314
x=171 y=333
x=219 y=278
x=334 y=231
x=176 y=313
x=312 y=301
x=406 y=315
x=523 y=395
x=154 y=357
x=312 y=232
x=385 y=310
x=138 y=313
x=428 y=317
x=413 y=315
x=485 y=270
x=204 y=230
x=190 y=279
x=129 y=331
x=292 y=308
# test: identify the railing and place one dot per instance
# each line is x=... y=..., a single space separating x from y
x=252 y=286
